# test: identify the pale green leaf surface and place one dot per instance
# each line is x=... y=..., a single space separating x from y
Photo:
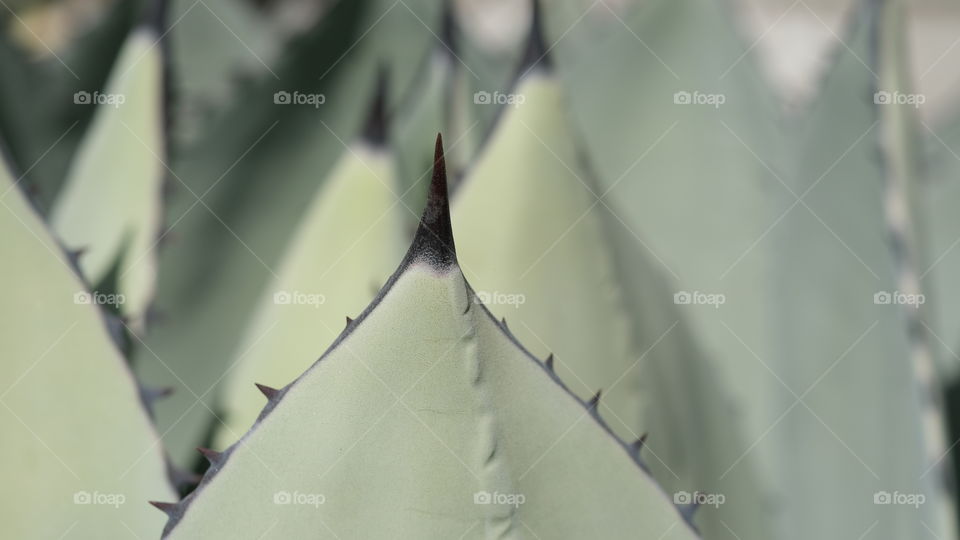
x=690 y=180
x=348 y=243
x=427 y=373
x=553 y=246
x=257 y=169
x=109 y=206
x=861 y=418
x=532 y=243
x=941 y=197
x=74 y=428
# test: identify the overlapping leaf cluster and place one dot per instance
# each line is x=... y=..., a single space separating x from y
x=650 y=303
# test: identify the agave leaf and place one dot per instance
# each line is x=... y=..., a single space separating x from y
x=839 y=337
x=625 y=336
x=940 y=196
x=79 y=457
x=41 y=123
x=465 y=413
x=683 y=177
x=537 y=256
x=345 y=249
x=225 y=248
x=109 y=206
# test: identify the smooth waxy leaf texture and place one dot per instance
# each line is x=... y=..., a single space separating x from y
x=79 y=456
x=110 y=204
x=255 y=170
x=846 y=350
x=677 y=166
x=554 y=245
x=483 y=441
x=344 y=251
x=941 y=196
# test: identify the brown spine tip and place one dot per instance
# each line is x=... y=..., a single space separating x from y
x=349 y=320
x=549 y=362
x=165 y=507
x=434 y=239
x=212 y=455
x=270 y=393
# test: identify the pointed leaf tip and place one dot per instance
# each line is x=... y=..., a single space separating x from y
x=434 y=239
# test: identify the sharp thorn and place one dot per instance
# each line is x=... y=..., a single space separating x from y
x=212 y=455
x=165 y=507
x=549 y=362
x=270 y=393
x=433 y=241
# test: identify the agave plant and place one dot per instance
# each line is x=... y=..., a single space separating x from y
x=660 y=298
